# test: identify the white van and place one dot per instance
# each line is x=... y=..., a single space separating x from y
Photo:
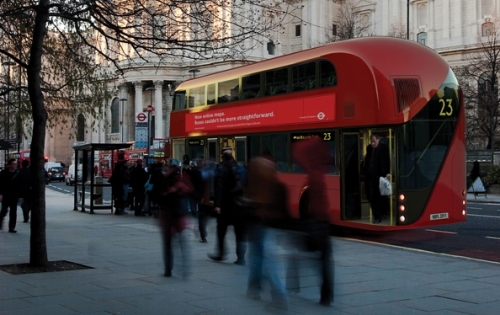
x=70 y=177
x=49 y=165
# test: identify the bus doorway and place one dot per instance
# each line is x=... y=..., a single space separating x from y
x=355 y=203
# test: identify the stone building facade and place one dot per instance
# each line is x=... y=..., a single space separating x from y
x=451 y=27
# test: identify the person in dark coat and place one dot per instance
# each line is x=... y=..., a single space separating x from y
x=173 y=189
x=377 y=164
x=25 y=189
x=224 y=202
x=9 y=194
x=138 y=178
x=313 y=155
x=119 y=179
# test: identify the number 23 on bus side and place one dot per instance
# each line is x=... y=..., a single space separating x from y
x=446 y=107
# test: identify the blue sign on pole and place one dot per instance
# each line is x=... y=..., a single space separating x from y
x=141 y=135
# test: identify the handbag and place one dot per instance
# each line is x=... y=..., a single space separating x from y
x=385 y=187
x=149 y=186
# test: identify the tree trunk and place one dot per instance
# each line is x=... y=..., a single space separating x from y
x=38 y=244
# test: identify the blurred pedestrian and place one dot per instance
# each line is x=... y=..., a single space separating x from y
x=314 y=157
x=268 y=205
x=25 y=189
x=205 y=206
x=226 y=184
x=173 y=216
x=9 y=193
x=138 y=178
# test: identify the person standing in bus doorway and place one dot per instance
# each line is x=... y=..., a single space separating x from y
x=9 y=193
x=25 y=189
x=138 y=178
x=224 y=202
x=377 y=164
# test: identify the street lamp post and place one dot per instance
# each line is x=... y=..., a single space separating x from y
x=407 y=19
x=149 y=108
x=122 y=101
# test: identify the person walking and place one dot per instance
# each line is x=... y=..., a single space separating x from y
x=138 y=178
x=224 y=202
x=270 y=207
x=25 y=189
x=376 y=164
x=316 y=224
x=9 y=193
x=173 y=216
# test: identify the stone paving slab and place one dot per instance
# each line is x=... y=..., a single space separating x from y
x=125 y=253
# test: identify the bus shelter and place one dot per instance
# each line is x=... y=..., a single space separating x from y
x=92 y=191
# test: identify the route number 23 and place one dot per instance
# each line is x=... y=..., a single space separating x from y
x=446 y=107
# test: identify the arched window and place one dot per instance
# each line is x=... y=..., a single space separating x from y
x=422 y=38
x=487 y=95
x=115 y=116
x=488 y=29
x=80 y=128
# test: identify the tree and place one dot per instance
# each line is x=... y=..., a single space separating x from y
x=349 y=22
x=479 y=81
x=60 y=46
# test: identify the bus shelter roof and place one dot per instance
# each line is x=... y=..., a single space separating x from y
x=101 y=146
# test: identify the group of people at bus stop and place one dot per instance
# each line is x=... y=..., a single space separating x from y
x=252 y=200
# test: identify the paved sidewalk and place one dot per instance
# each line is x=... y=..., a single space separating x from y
x=125 y=252
x=483 y=198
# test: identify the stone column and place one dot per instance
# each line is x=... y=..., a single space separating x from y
x=138 y=101
x=158 y=109
x=168 y=108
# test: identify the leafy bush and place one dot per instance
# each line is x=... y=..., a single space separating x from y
x=493 y=177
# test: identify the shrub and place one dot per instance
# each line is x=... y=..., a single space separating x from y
x=493 y=177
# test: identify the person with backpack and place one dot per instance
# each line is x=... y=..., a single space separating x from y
x=9 y=193
x=225 y=194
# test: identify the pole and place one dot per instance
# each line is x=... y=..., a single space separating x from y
x=407 y=19
x=149 y=131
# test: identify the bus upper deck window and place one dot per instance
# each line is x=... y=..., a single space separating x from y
x=196 y=96
x=228 y=91
x=304 y=76
x=276 y=81
x=250 y=86
x=328 y=75
x=180 y=100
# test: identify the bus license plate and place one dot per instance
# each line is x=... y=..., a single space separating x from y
x=439 y=216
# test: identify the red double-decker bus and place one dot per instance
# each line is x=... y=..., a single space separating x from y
x=105 y=161
x=342 y=92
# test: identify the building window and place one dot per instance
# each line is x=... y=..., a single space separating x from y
x=488 y=29
x=297 y=30
x=271 y=48
x=334 y=30
x=422 y=38
x=115 y=116
x=422 y=14
x=80 y=128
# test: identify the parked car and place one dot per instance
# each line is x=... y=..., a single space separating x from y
x=71 y=176
x=55 y=173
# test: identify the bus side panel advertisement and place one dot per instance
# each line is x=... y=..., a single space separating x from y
x=307 y=110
